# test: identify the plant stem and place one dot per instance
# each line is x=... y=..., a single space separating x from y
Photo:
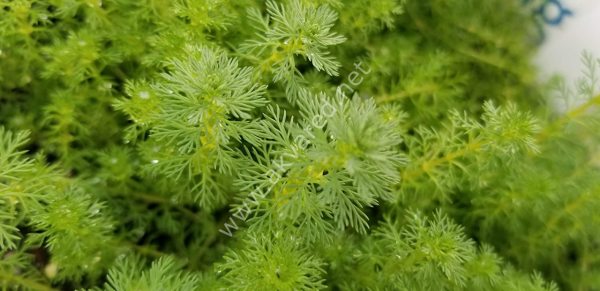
x=572 y=114
x=25 y=282
x=423 y=89
x=146 y=250
x=429 y=165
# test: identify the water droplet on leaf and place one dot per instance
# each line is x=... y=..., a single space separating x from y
x=144 y=95
x=95 y=210
x=51 y=270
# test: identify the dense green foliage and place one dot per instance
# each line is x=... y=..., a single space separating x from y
x=291 y=145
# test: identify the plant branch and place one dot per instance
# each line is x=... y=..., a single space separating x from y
x=25 y=282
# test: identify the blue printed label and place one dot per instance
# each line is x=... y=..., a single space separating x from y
x=548 y=13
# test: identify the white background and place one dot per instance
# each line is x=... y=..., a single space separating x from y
x=562 y=48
